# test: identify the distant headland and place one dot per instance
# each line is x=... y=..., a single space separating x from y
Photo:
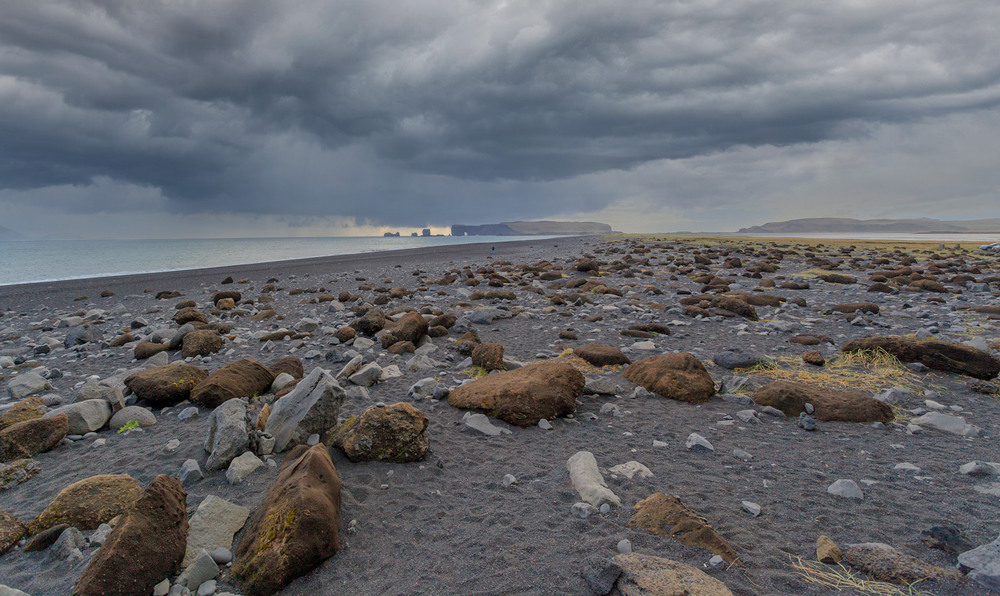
x=532 y=228
x=845 y=225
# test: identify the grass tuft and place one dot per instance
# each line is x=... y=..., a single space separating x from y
x=867 y=371
x=840 y=578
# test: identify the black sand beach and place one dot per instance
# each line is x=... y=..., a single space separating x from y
x=449 y=524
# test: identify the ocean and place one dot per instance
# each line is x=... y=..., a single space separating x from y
x=53 y=260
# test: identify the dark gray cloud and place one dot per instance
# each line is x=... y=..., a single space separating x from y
x=413 y=112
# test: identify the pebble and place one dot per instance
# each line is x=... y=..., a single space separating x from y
x=172 y=445
x=222 y=556
x=807 y=422
x=544 y=424
x=696 y=442
x=846 y=488
x=583 y=510
x=716 y=561
x=624 y=546
x=187 y=413
x=509 y=479
x=742 y=455
x=751 y=508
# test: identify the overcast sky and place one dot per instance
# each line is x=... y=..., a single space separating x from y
x=171 y=118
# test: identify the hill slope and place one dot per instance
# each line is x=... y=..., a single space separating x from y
x=845 y=224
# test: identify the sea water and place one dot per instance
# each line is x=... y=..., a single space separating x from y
x=52 y=260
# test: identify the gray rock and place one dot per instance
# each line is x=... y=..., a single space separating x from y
x=227 y=434
x=624 y=546
x=737 y=358
x=980 y=469
x=696 y=442
x=84 y=416
x=480 y=423
x=751 y=508
x=188 y=413
x=281 y=381
x=602 y=386
x=144 y=417
x=100 y=535
x=207 y=588
x=242 y=466
x=588 y=482
x=312 y=407
x=846 y=488
x=424 y=388
x=893 y=395
x=600 y=574
x=68 y=546
x=94 y=389
x=367 y=376
x=983 y=564
x=213 y=526
x=421 y=362
x=772 y=411
x=190 y=472
x=83 y=334
x=177 y=339
x=583 y=510
x=946 y=422
x=201 y=569
x=544 y=424
x=222 y=556
x=748 y=416
x=806 y=422
x=25 y=384
x=8 y=591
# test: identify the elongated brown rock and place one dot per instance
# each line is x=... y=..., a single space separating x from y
x=243 y=378
x=678 y=376
x=166 y=385
x=933 y=353
x=295 y=528
x=830 y=404
x=525 y=395
x=25 y=439
x=146 y=547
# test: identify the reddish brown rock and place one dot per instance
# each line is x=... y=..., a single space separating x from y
x=230 y=294
x=25 y=439
x=601 y=355
x=488 y=356
x=525 y=395
x=296 y=526
x=645 y=575
x=200 y=343
x=829 y=404
x=121 y=340
x=395 y=433
x=853 y=307
x=411 y=327
x=243 y=378
x=345 y=334
x=187 y=315
x=145 y=547
x=371 y=323
x=290 y=365
x=933 y=353
x=814 y=358
x=678 y=376
x=148 y=349
x=168 y=385
x=402 y=347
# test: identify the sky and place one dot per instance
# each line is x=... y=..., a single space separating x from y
x=185 y=118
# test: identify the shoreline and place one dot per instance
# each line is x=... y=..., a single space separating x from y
x=15 y=295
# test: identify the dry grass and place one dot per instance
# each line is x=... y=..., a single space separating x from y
x=867 y=371
x=840 y=578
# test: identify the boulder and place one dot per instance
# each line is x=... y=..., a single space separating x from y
x=525 y=395
x=29 y=408
x=165 y=386
x=395 y=433
x=933 y=353
x=243 y=378
x=144 y=548
x=231 y=294
x=488 y=356
x=601 y=355
x=11 y=530
x=296 y=526
x=189 y=314
x=311 y=408
x=371 y=323
x=678 y=376
x=645 y=575
x=213 y=525
x=665 y=515
x=25 y=384
x=144 y=417
x=737 y=358
x=25 y=439
x=290 y=365
x=201 y=343
x=90 y=502
x=829 y=404
x=983 y=564
x=227 y=434
x=411 y=327
x=84 y=334
x=84 y=416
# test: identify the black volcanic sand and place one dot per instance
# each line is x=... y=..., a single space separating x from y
x=447 y=525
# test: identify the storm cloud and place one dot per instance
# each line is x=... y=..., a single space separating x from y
x=699 y=114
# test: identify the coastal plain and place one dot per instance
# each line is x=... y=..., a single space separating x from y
x=712 y=463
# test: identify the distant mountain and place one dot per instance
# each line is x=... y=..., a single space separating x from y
x=9 y=234
x=532 y=228
x=844 y=224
